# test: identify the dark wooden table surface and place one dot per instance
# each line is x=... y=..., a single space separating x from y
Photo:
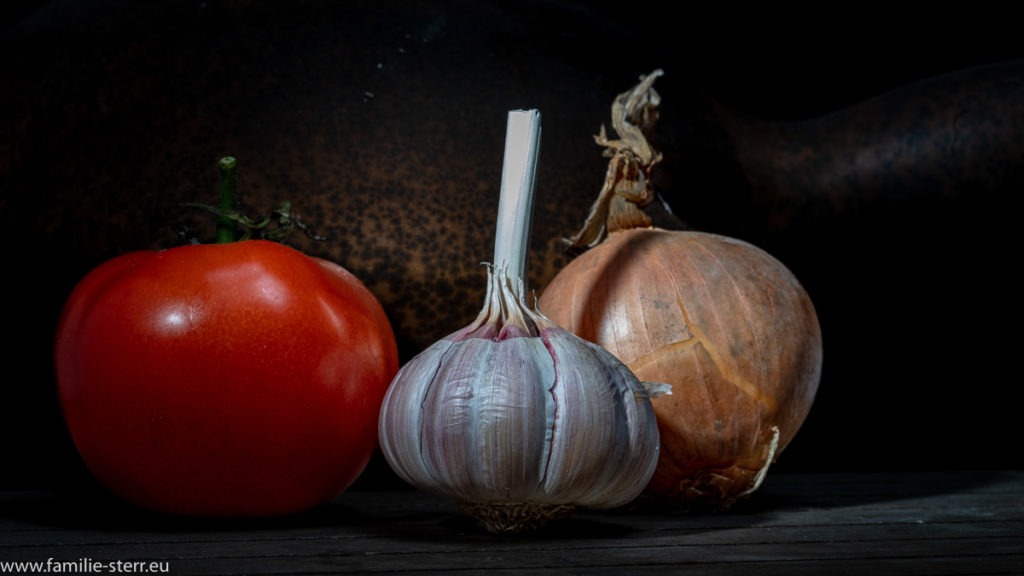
x=967 y=522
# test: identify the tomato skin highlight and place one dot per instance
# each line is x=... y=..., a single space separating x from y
x=240 y=379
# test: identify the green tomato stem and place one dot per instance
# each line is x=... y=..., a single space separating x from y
x=227 y=230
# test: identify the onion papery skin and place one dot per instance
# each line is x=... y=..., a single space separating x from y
x=728 y=326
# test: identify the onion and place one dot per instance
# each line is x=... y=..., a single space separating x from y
x=724 y=323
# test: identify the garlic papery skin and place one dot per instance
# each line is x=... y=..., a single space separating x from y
x=519 y=420
x=515 y=418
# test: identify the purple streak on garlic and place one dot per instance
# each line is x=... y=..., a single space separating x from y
x=517 y=419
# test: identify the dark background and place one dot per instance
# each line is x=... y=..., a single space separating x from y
x=112 y=112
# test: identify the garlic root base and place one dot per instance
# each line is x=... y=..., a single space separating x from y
x=514 y=517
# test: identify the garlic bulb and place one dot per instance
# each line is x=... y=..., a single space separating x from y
x=515 y=418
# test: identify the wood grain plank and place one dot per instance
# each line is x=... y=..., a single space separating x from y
x=802 y=524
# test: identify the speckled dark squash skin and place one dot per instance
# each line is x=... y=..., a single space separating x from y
x=940 y=140
x=383 y=124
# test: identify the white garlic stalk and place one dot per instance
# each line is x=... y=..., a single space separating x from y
x=517 y=419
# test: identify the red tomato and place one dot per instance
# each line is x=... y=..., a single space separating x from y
x=233 y=379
